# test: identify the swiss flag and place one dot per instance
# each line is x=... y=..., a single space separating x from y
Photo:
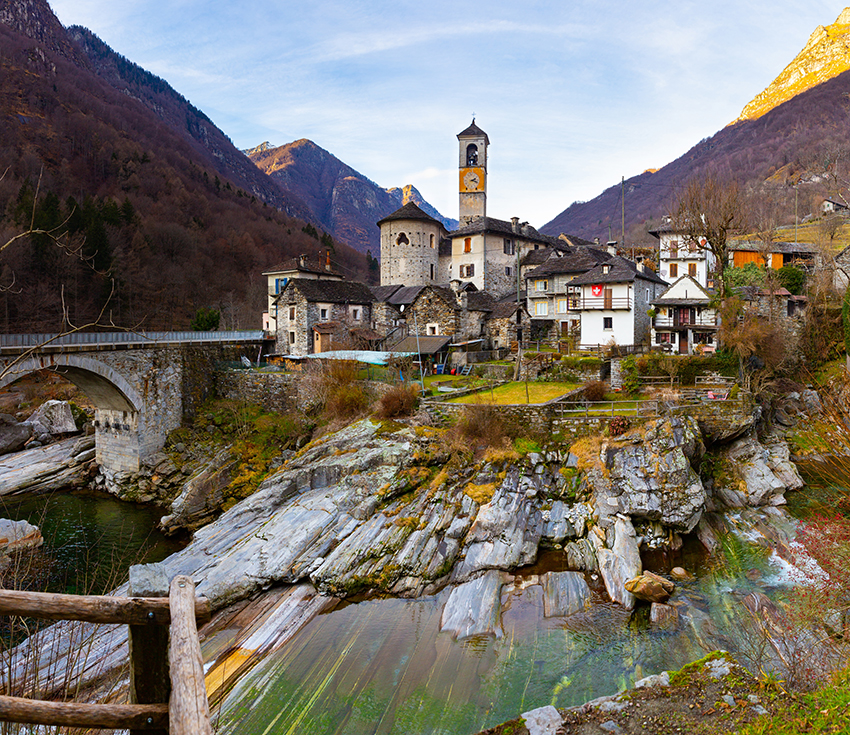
x=597 y=290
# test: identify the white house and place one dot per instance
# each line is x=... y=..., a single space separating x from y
x=303 y=267
x=613 y=300
x=684 y=320
x=678 y=256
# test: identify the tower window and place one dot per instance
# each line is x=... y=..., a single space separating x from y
x=432 y=241
x=467 y=245
x=507 y=270
x=432 y=269
x=472 y=155
x=402 y=240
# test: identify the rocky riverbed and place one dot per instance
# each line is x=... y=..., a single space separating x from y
x=393 y=510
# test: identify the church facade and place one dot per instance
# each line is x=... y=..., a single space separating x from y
x=416 y=250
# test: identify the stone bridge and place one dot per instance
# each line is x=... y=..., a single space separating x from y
x=142 y=384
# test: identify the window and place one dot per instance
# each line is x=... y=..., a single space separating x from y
x=432 y=269
x=355 y=313
x=509 y=247
x=291 y=313
x=541 y=308
x=674 y=270
x=692 y=247
x=607 y=323
x=280 y=284
x=561 y=306
x=647 y=294
x=692 y=269
x=467 y=245
x=402 y=240
x=323 y=314
x=467 y=271
x=541 y=285
x=606 y=268
x=472 y=155
x=433 y=328
x=674 y=248
x=432 y=245
x=508 y=270
x=292 y=338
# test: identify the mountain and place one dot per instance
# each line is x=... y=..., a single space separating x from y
x=161 y=213
x=801 y=140
x=825 y=55
x=344 y=202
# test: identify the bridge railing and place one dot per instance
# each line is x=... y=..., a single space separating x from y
x=115 y=338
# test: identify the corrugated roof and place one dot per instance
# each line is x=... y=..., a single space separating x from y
x=428 y=344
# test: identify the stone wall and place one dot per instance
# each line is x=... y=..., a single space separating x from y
x=409 y=252
x=272 y=391
x=431 y=308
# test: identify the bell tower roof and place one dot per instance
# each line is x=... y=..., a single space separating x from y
x=473 y=131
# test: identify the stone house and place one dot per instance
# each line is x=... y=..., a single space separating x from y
x=677 y=256
x=320 y=315
x=304 y=266
x=684 y=321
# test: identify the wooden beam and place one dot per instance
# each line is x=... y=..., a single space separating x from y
x=94 y=608
x=70 y=714
x=189 y=709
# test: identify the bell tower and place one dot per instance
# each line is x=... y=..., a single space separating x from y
x=473 y=144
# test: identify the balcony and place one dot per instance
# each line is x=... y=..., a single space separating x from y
x=685 y=321
x=580 y=303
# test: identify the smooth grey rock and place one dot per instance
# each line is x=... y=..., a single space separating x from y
x=621 y=563
x=43 y=469
x=656 y=680
x=611 y=727
x=13 y=435
x=729 y=699
x=473 y=608
x=148 y=580
x=558 y=526
x=542 y=721
x=811 y=401
x=55 y=417
x=564 y=593
x=17 y=535
x=757 y=475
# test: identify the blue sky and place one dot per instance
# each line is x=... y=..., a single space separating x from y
x=573 y=94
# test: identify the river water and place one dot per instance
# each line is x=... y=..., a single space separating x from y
x=90 y=540
x=383 y=666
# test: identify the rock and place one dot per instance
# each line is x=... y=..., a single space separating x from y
x=542 y=721
x=781 y=417
x=681 y=574
x=13 y=435
x=148 y=580
x=17 y=535
x=612 y=727
x=755 y=475
x=664 y=616
x=654 y=479
x=558 y=526
x=473 y=608
x=650 y=587
x=656 y=680
x=620 y=563
x=564 y=593
x=56 y=417
x=811 y=401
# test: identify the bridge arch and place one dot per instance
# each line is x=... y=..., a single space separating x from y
x=106 y=387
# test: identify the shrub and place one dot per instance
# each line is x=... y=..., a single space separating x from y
x=481 y=424
x=400 y=400
x=618 y=425
x=594 y=390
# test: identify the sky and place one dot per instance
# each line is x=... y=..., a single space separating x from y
x=573 y=94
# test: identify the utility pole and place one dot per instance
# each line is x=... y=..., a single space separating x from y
x=518 y=366
x=623 y=202
x=796 y=198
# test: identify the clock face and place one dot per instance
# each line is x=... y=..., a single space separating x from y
x=472 y=179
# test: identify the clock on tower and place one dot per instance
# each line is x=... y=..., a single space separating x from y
x=473 y=143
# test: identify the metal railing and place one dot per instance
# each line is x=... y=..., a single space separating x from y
x=579 y=303
x=59 y=339
x=680 y=321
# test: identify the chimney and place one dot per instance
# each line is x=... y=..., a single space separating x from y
x=455 y=284
x=515 y=224
x=611 y=247
x=328 y=261
x=302 y=261
x=641 y=267
x=595 y=240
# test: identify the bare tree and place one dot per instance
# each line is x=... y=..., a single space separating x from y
x=708 y=212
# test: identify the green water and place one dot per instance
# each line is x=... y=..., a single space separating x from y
x=90 y=541
x=383 y=666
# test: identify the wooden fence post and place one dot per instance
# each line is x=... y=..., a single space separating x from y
x=149 y=679
x=189 y=709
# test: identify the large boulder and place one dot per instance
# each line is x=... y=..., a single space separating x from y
x=17 y=535
x=652 y=477
x=13 y=435
x=474 y=608
x=55 y=417
x=621 y=562
x=650 y=587
x=564 y=593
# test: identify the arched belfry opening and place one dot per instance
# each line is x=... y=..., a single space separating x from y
x=472 y=155
x=402 y=240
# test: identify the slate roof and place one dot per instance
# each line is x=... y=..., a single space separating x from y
x=405 y=295
x=409 y=211
x=775 y=247
x=702 y=297
x=577 y=260
x=503 y=227
x=621 y=271
x=480 y=301
x=333 y=292
x=503 y=310
x=312 y=264
x=536 y=257
x=383 y=293
x=473 y=131
x=428 y=344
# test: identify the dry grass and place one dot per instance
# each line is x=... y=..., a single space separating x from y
x=515 y=393
x=400 y=400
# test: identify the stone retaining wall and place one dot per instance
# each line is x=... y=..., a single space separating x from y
x=272 y=391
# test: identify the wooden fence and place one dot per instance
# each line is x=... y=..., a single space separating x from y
x=600 y=409
x=167 y=691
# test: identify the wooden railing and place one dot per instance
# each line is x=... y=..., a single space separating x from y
x=167 y=691
x=598 y=409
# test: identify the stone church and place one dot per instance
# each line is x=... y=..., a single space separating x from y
x=416 y=249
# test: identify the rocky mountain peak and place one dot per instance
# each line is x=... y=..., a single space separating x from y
x=825 y=55
x=264 y=146
x=34 y=19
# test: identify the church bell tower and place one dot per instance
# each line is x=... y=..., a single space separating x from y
x=473 y=144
